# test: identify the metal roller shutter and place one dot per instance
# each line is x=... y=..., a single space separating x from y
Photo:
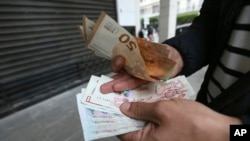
x=42 y=52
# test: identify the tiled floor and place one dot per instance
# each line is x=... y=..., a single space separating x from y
x=55 y=119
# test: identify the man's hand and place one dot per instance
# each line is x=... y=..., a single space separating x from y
x=123 y=81
x=177 y=120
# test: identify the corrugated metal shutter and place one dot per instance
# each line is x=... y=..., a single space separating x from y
x=42 y=52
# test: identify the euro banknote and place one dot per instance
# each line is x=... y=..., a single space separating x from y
x=143 y=59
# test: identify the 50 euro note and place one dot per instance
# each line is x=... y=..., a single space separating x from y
x=143 y=59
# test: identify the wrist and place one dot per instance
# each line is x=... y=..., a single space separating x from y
x=216 y=128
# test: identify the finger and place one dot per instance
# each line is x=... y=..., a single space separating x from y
x=140 y=111
x=117 y=63
x=122 y=82
x=129 y=83
x=108 y=87
x=175 y=55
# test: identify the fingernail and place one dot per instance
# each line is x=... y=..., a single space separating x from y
x=118 y=61
x=125 y=106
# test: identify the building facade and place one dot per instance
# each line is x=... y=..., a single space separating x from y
x=150 y=11
x=151 y=8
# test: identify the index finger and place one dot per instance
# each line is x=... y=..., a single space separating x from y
x=122 y=82
x=117 y=63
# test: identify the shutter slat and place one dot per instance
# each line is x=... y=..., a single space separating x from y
x=14 y=37
x=29 y=29
x=42 y=53
x=37 y=41
x=15 y=55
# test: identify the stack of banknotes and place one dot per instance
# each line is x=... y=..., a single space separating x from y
x=100 y=115
x=143 y=59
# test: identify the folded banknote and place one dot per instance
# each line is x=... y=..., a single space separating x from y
x=143 y=59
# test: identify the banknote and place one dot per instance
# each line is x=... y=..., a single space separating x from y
x=100 y=115
x=142 y=59
x=150 y=92
x=94 y=97
x=88 y=26
x=98 y=123
x=111 y=39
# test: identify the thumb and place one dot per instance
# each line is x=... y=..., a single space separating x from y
x=140 y=111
